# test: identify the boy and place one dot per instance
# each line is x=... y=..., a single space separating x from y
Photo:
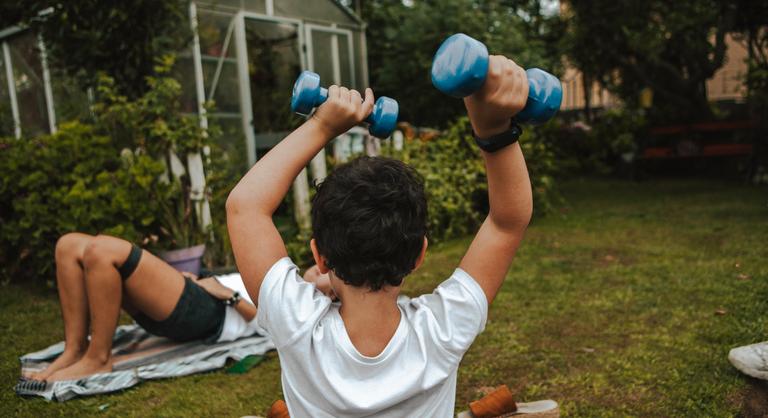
x=373 y=352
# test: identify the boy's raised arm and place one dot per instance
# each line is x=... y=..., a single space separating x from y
x=509 y=189
x=256 y=243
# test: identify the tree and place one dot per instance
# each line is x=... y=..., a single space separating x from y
x=752 y=23
x=88 y=37
x=671 y=48
x=402 y=39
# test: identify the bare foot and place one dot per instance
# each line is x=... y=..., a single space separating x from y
x=66 y=359
x=86 y=366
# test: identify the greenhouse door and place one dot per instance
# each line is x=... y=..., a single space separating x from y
x=329 y=53
x=273 y=61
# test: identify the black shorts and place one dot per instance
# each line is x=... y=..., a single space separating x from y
x=197 y=315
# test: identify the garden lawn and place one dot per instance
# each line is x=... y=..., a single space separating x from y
x=623 y=303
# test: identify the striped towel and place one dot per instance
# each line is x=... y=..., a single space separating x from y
x=138 y=356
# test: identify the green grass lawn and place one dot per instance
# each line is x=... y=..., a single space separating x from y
x=624 y=303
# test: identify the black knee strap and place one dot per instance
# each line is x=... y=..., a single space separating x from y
x=130 y=263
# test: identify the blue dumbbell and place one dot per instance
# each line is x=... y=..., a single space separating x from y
x=461 y=65
x=307 y=94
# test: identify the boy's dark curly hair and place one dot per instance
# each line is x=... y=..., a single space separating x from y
x=369 y=219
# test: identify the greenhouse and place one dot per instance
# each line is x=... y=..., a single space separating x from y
x=244 y=57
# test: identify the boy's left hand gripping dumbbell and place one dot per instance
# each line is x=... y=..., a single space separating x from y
x=502 y=96
x=343 y=109
x=308 y=94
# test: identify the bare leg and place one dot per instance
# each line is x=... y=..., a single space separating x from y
x=154 y=288
x=73 y=299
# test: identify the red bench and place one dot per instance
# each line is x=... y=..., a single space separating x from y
x=687 y=147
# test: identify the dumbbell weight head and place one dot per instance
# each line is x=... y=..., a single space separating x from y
x=545 y=93
x=383 y=119
x=460 y=67
x=307 y=94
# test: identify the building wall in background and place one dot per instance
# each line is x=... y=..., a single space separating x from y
x=726 y=84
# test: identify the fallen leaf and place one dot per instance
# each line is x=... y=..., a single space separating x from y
x=587 y=349
x=609 y=258
x=737 y=265
x=743 y=276
x=721 y=312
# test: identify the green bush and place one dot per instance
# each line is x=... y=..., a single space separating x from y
x=74 y=180
x=455 y=181
x=108 y=175
x=155 y=125
x=598 y=148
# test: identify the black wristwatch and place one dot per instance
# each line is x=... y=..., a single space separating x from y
x=232 y=301
x=501 y=140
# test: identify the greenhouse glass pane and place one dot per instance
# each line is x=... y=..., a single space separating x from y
x=357 y=50
x=69 y=98
x=219 y=59
x=257 y=6
x=212 y=29
x=28 y=78
x=344 y=61
x=6 y=115
x=322 y=56
x=231 y=142
x=226 y=94
x=322 y=10
x=273 y=65
x=184 y=72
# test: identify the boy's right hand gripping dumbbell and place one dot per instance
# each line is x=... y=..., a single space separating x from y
x=344 y=109
x=501 y=97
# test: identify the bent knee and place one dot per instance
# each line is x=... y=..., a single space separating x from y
x=102 y=249
x=72 y=245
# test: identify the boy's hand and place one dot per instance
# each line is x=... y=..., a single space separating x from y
x=343 y=109
x=503 y=95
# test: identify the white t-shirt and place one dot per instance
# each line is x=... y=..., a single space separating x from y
x=323 y=375
x=235 y=326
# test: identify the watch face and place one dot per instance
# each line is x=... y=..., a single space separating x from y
x=234 y=299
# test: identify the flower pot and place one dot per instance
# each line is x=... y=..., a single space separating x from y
x=185 y=259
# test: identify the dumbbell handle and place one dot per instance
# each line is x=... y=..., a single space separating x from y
x=323 y=96
x=308 y=94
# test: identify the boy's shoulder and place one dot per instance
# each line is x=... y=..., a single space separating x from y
x=452 y=315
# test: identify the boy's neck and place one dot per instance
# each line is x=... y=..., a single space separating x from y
x=370 y=318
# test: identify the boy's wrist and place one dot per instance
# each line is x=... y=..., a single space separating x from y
x=484 y=131
x=324 y=130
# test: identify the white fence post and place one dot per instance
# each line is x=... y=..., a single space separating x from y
x=372 y=145
x=301 y=208
x=318 y=166
x=341 y=149
x=397 y=140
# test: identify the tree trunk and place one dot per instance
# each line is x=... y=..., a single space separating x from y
x=586 y=81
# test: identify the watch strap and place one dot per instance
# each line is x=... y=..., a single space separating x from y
x=499 y=141
x=233 y=300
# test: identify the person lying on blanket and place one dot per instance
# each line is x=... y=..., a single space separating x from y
x=96 y=275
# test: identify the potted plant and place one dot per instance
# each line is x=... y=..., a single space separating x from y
x=183 y=218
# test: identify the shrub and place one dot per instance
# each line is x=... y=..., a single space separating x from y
x=598 y=148
x=455 y=181
x=112 y=175
x=74 y=180
x=155 y=125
